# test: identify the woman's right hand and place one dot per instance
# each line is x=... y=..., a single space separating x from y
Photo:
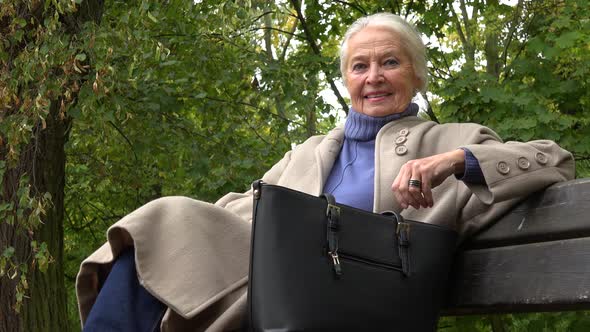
x=431 y=171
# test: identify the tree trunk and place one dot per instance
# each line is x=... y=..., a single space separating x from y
x=492 y=46
x=42 y=160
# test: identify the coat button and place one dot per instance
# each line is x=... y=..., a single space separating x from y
x=400 y=140
x=523 y=163
x=541 y=158
x=503 y=168
x=404 y=132
x=401 y=150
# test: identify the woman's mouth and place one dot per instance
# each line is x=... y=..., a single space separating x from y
x=377 y=96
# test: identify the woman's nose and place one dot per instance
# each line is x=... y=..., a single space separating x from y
x=375 y=74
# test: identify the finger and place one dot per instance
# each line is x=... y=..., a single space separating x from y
x=399 y=198
x=427 y=191
x=411 y=194
x=416 y=192
x=400 y=187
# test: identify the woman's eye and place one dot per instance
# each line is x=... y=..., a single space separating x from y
x=358 y=66
x=391 y=62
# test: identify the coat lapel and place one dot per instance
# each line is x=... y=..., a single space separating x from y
x=388 y=160
x=386 y=169
x=325 y=156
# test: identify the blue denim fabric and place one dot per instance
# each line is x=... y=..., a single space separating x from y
x=123 y=304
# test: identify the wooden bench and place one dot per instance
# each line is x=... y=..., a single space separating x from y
x=536 y=258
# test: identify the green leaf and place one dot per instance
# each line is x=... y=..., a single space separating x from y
x=151 y=17
x=21 y=22
x=567 y=39
x=18 y=35
x=8 y=252
x=5 y=207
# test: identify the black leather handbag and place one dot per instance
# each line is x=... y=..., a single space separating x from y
x=320 y=266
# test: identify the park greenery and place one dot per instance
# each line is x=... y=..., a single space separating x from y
x=106 y=105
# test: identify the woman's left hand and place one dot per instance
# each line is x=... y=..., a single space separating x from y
x=431 y=171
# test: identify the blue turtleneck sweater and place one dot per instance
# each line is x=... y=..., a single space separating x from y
x=351 y=179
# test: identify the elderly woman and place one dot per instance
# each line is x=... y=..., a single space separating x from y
x=178 y=264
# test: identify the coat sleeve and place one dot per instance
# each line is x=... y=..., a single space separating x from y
x=512 y=171
x=515 y=169
x=241 y=203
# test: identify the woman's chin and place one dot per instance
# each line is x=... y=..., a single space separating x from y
x=381 y=111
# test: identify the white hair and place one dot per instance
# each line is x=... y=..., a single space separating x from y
x=410 y=38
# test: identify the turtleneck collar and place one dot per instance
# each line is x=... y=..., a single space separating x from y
x=361 y=127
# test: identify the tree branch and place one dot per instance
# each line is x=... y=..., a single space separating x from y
x=439 y=73
x=288 y=41
x=267 y=37
x=125 y=137
x=459 y=29
x=291 y=34
x=429 y=110
x=522 y=46
x=475 y=12
x=79 y=228
x=261 y=15
x=408 y=9
x=465 y=19
x=445 y=59
x=316 y=50
x=255 y=107
x=513 y=26
x=189 y=133
x=355 y=6
x=246 y=119
x=398 y=9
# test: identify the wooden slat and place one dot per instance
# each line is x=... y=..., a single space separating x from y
x=560 y=212
x=532 y=277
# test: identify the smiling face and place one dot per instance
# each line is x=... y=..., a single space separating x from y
x=379 y=74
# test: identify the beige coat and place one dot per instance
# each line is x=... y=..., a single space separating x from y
x=193 y=256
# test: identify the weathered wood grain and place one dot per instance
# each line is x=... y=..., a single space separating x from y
x=536 y=258
x=542 y=276
x=562 y=211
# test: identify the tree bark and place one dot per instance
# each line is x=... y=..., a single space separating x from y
x=42 y=160
x=46 y=310
x=465 y=35
x=492 y=46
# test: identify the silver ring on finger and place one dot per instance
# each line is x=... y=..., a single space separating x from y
x=415 y=183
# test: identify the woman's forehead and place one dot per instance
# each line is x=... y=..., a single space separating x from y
x=376 y=49
x=374 y=40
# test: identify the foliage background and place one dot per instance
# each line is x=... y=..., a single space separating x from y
x=199 y=99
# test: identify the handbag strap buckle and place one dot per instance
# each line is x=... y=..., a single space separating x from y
x=333 y=227
x=333 y=213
